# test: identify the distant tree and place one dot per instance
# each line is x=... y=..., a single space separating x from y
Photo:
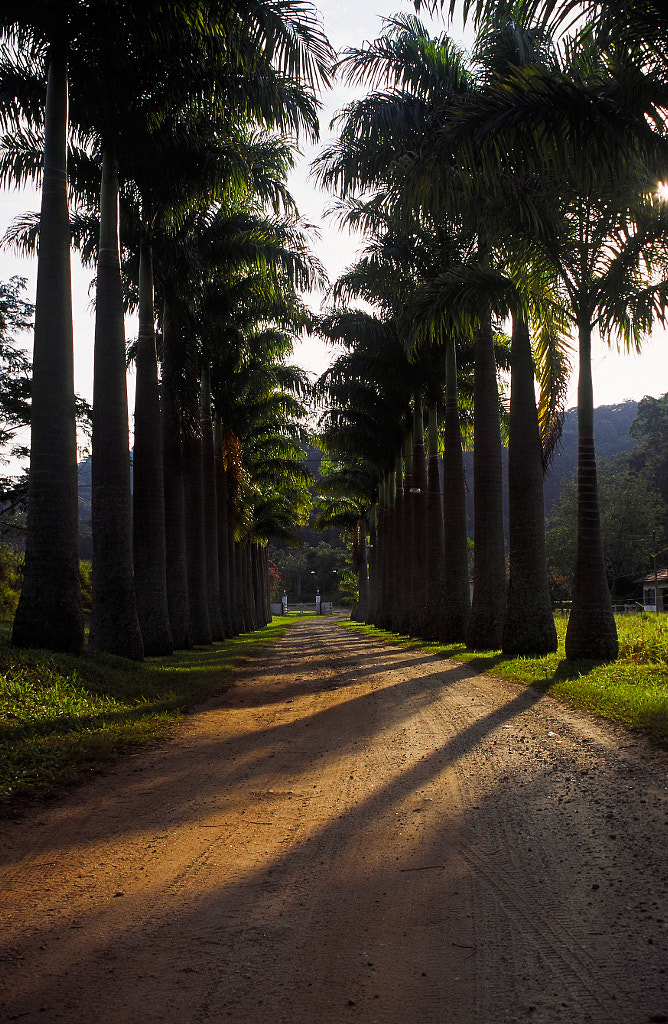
x=632 y=512
x=16 y=316
x=309 y=568
x=650 y=429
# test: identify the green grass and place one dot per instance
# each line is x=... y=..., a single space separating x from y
x=62 y=717
x=632 y=690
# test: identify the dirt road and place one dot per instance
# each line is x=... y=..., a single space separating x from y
x=354 y=833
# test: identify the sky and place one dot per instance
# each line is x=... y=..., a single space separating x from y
x=347 y=23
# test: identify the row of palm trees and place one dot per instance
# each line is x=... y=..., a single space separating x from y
x=489 y=165
x=483 y=205
x=156 y=120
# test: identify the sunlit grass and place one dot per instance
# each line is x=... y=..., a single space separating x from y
x=62 y=716
x=633 y=689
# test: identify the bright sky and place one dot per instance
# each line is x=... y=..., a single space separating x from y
x=347 y=23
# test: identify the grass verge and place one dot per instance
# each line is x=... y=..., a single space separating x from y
x=62 y=717
x=632 y=690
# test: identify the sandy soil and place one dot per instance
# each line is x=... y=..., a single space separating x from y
x=354 y=833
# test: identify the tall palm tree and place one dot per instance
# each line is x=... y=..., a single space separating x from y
x=50 y=613
x=348 y=488
x=456 y=590
x=366 y=394
x=541 y=120
x=425 y=77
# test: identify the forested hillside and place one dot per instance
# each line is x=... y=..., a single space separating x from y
x=612 y=424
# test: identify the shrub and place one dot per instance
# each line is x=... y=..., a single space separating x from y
x=85 y=574
x=11 y=579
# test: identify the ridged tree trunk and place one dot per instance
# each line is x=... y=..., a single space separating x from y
x=418 y=524
x=489 y=565
x=390 y=561
x=210 y=510
x=399 y=609
x=236 y=605
x=456 y=589
x=243 y=625
x=49 y=612
x=236 y=610
x=222 y=526
x=382 y=534
x=198 y=598
x=249 y=613
x=148 y=497
x=362 y=572
x=591 y=632
x=431 y=627
x=114 y=623
x=404 y=545
x=174 y=486
x=266 y=586
x=529 y=625
x=372 y=554
x=258 y=587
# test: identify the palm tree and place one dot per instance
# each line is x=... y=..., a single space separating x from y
x=604 y=250
x=271 y=500
x=174 y=489
x=114 y=622
x=210 y=507
x=50 y=613
x=456 y=590
x=366 y=394
x=529 y=627
x=428 y=77
x=225 y=570
x=148 y=498
x=419 y=523
x=434 y=534
x=347 y=490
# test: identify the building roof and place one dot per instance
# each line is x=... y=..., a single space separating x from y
x=661 y=577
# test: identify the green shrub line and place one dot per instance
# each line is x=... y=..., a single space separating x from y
x=632 y=690
x=63 y=717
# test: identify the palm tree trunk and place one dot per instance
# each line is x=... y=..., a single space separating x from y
x=431 y=627
x=529 y=626
x=362 y=572
x=373 y=566
x=397 y=583
x=418 y=524
x=489 y=566
x=148 y=496
x=389 y=554
x=114 y=623
x=175 y=507
x=198 y=598
x=210 y=510
x=382 y=534
x=403 y=546
x=456 y=589
x=264 y=567
x=258 y=589
x=591 y=631
x=222 y=524
x=241 y=612
x=49 y=612
x=249 y=599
